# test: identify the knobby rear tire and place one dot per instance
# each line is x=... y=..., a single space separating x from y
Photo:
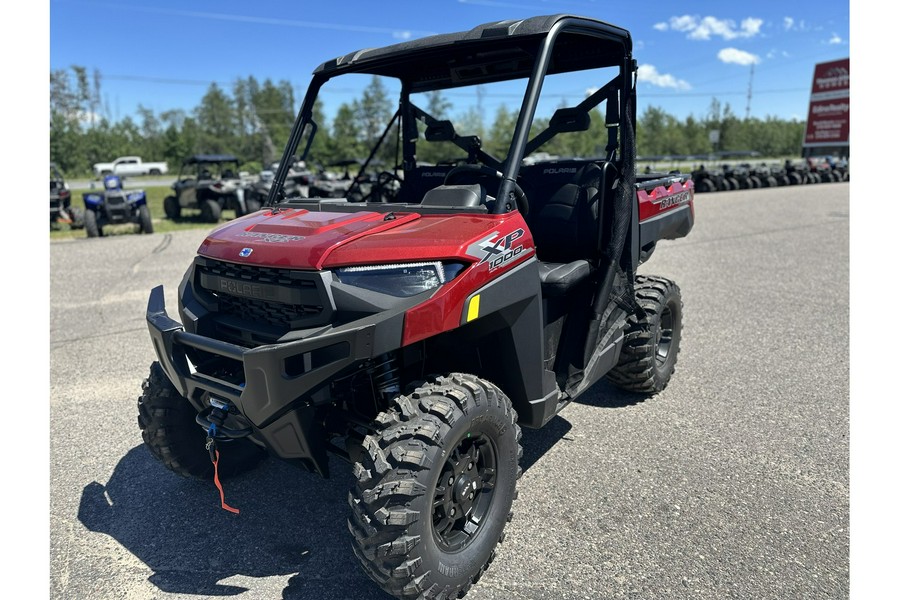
x=651 y=344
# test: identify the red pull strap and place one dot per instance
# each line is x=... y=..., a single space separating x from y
x=219 y=485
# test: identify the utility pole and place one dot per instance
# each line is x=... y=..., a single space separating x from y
x=749 y=91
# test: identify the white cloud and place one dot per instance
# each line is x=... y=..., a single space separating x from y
x=649 y=74
x=683 y=23
x=835 y=39
x=708 y=27
x=402 y=35
x=737 y=57
x=750 y=27
x=777 y=54
x=792 y=24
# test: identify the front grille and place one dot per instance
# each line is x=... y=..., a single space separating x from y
x=287 y=299
x=115 y=200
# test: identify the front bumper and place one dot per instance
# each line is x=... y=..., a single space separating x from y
x=270 y=385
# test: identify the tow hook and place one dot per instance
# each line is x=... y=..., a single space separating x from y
x=213 y=421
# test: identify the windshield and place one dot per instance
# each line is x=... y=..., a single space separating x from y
x=359 y=119
x=211 y=170
x=371 y=140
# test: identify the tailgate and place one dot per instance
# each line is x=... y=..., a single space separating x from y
x=665 y=208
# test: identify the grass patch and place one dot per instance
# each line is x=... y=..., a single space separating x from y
x=161 y=224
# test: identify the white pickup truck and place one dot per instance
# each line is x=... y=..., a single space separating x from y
x=130 y=165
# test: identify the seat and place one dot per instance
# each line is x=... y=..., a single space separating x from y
x=566 y=229
x=557 y=279
x=417 y=182
x=461 y=196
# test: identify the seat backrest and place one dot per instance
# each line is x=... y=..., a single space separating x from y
x=462 y=196
x=418 y=181
x=566 y=211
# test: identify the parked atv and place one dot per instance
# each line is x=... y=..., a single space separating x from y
x=61 y=209
x=413 y=339
x=704 y=180
x=763 y=174
x=210 y=183
x=114 y=206
x=296 y=184
x=331 y=184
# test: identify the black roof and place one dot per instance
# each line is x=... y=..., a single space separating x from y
x=495 y=51
x=210 y=158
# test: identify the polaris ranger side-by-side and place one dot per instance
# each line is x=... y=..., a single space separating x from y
x=413 y=333
x=210 y=182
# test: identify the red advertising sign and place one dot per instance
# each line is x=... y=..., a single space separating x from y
x=828 y=122
x=832 y=77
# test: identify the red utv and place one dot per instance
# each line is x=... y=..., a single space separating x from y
x=413 y=338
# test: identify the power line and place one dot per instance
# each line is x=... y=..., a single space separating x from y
x=460 y=94
x=167 y=80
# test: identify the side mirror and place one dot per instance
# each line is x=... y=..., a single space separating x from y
x=441 y=131
x=566 y=120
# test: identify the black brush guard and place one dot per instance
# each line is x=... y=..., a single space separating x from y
x=273 y=394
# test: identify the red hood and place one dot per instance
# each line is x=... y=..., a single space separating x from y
x=300 y=239
x=293 y=238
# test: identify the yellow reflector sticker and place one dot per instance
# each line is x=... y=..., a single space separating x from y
x=473 y=307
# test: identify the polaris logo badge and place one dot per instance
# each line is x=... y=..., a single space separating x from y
x=498 y=250
x=245 y=252
x=250 y=290
x=559 y=170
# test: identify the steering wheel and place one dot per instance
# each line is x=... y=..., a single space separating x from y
x=389 y=185
x=382 y=187
x=459 y=172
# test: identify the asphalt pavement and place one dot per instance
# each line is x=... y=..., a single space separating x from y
x=732 y=483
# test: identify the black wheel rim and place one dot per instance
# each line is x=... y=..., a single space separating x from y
x=464 y=492
x=664 y=335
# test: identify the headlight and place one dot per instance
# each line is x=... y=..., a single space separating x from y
x=402 y=280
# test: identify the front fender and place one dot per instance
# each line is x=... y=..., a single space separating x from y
x=93 y=200
x=137 y=197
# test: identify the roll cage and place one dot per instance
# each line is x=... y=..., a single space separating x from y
x=494 y=52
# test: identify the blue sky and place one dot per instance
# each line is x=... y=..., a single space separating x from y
x=164 y=53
